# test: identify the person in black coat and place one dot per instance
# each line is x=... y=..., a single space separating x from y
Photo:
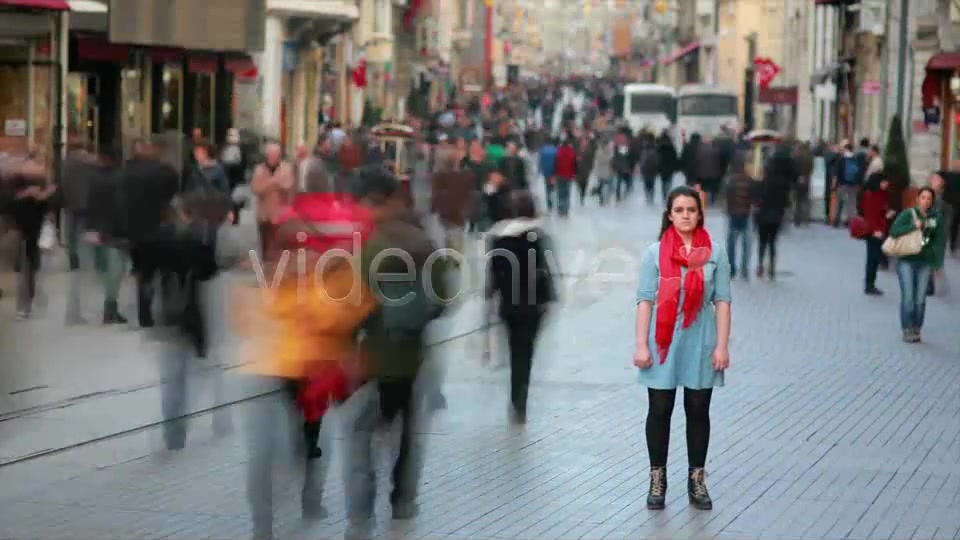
x=668 y=162
x=181 y=253
x=525 y=288
x=148 y=186
x=774 y=199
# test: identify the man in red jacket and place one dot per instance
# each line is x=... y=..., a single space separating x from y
x=566 y=173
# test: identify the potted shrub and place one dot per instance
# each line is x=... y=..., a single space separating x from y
x=896 y=167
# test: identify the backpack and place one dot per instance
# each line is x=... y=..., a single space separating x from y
x=851 y=170
x=408 y=310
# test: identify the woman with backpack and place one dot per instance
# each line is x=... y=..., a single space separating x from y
x=524 y=290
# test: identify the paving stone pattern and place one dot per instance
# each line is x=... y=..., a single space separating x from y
x=829 y=427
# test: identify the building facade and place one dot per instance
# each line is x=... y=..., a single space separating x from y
x=301 y=73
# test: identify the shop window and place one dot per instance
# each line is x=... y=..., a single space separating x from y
x=81 y=111
x=203 y=104
x=171 y=102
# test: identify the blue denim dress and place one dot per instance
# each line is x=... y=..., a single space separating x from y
x=690 y=359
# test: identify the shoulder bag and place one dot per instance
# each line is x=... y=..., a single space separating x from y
x=906 y=245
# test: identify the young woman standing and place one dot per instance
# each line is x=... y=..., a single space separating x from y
x=683 y=330
x=914 y=271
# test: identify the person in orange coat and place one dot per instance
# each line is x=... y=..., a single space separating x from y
x=303 y=313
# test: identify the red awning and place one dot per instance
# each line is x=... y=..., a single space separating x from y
x=101 y=50
x=680 y=53
x=58 y=5
x=242 y=66
x=164 y=55
x=202 y=64
x=945 y=61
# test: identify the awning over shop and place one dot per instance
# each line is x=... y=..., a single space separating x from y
x=57 y=5
x=241 y=66
x=944 y=61
x=332 y=9
x=680 y=53
x=96 y=49
x=202 y=64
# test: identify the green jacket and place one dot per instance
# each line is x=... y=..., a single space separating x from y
x=934 y=248
x=394 y=357
x=495 y=154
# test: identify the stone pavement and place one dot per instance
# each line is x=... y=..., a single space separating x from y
x=830 y=426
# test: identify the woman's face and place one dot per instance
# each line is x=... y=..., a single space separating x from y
x=924 y=200
x=684 y=213
x=884 y=184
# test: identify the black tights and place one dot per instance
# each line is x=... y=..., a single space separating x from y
x=767 y=234
x=696 y=405
x=311 y=429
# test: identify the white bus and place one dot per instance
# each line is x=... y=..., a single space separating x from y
x=706 y=110
x=650 y=106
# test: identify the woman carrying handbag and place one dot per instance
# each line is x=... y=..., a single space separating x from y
x=915 y=241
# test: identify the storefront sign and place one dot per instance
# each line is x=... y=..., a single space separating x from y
x=781 y=95
x=15 y=127
x=871 y=88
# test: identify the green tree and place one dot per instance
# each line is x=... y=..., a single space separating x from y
x=895 y=162
x=896 y=166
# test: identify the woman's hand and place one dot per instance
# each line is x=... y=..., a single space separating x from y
x=642 y=357
x=721 y=358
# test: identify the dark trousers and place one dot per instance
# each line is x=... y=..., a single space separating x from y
x=696 y=405
x=28 y=264
x=266 y=230
x=712 y=186
x=582 y=187
x=522 y=329
x=649 y=183
x=953 y=228
x=873 y=261
x=624 y=185
x=801 y=207
x=145 y=292
x=767 y=233
x=666 y=183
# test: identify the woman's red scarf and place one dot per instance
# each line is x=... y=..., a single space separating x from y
x=674 y=256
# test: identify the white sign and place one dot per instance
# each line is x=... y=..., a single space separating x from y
x=825 y=92
x=15 y=127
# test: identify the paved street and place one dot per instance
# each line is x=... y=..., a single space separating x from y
x=830 y=426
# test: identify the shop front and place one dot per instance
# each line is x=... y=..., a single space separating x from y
x=29 y=76
x=183 y=59
x=941 y=103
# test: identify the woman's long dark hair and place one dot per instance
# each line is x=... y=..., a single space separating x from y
x=680 y=191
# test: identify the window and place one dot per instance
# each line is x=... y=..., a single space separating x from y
x=203 y=104
x=170 y=101
x=708 y=105
x=653 y=104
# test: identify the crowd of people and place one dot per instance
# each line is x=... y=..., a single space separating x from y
x=178 y=231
